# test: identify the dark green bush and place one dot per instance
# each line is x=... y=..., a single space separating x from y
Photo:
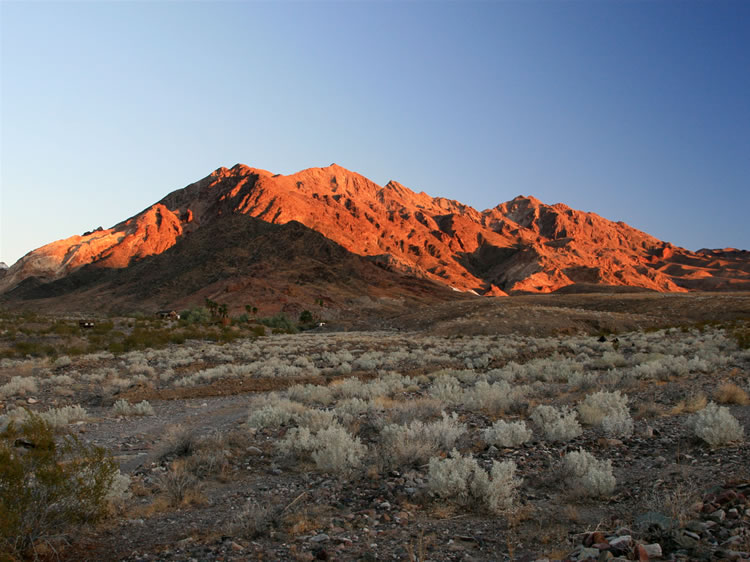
x=199 y=315
x=46 y=487
x=279 y=323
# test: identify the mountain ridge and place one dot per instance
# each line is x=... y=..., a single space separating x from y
x=518 y=246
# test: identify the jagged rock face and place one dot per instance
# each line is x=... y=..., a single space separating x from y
x=522 y=245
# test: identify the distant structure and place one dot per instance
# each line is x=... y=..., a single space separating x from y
x=168 y=314
x=86 y=324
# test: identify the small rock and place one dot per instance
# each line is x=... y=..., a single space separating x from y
x=719 y=515
x=322 y=537
x=236 y=546
x=695 y=526
x=621 y=544
x=587 y=553
x=652 y=550
x=32 y=400
x=732 y=540
x=596 y=537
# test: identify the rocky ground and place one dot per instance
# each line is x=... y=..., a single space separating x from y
x=206 y=485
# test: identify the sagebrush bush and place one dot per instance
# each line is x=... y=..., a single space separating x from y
x=333 y=449
x=716 y=425
x=48 y=486
x=507 y=434
x=461 y=479
x=124 y=408
x=493 y=398
x=281 y=412
x=556 y=425
x=19 y=386
x=588 y=476
x=608 y=410
x=416 y=442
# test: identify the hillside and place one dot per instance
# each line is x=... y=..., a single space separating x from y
x=520 y=246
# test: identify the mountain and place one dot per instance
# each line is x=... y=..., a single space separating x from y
x=238 y=260
x=520 y=246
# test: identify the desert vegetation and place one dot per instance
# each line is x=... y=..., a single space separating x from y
x=357 y=444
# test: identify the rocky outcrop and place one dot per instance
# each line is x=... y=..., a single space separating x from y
x=519 y=246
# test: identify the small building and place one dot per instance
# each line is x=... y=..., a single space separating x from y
x=168 y=314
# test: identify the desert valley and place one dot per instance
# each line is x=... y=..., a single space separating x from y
x=313 y=366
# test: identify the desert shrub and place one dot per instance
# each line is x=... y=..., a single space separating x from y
x=464 y=481
x=417 y=442
x=609 y=410
x=693 y=403
x=609 y=360
x=419 y=409
x=62 y=361
x=280 y=323
x=492 y=398
x=178 y=441
x=60 y=417
x=178 y=484
x=254 y=519
x=507 y=434
x=447 y=389
x=55 y=417
x=588 y=476
x=581 y=380
x=281 y=412
x=19 y=386
x=199 y=315
x=333 y=449
x=310 y=393
x=124 y=408
x=355 y=406
x=716 y=425
x=730 y=393
x=210 y=456
x=556 y=425
x=48 y=486
x=618 y=424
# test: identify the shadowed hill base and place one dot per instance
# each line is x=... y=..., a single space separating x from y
x=236 y=261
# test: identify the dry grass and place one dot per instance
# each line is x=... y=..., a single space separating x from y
x=693 y=403
x=646 y=410
x=730 y=393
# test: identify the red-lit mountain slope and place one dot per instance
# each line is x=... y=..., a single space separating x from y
x=522 y=245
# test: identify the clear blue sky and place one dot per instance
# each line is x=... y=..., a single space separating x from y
x=638 y=111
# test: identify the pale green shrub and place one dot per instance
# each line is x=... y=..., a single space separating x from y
x=19 y=386
x=507 y=434
x=588 y=476
x=447 y=389
x=716 y=425
x=275 y=414
x=491 y=398
x=124 y=408
x=333 y=449
x=311 y=393
x=417 y=442
x=556 y=425
x=608 y=409
x=464 y=481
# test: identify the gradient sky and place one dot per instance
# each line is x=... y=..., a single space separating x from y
x=638 y=111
